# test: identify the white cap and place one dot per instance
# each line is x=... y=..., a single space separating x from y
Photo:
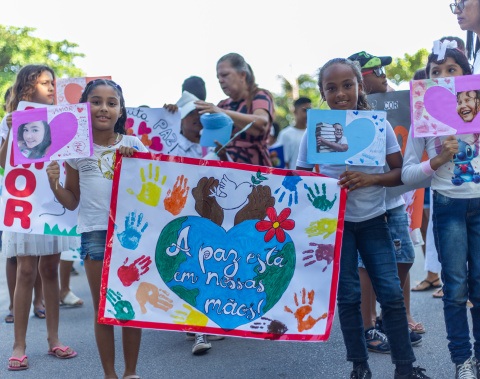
x=186 y=103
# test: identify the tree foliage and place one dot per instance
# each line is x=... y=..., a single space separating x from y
x=18 y=48
x=403 y=69
x=304 y=86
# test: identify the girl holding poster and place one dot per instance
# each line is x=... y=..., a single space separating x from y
x=365 y=229
x=454 y=167
x=34 y=83
x=92 y=177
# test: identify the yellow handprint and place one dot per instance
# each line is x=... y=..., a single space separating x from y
x=150 y=193
x=326 y=226
x=192 y=318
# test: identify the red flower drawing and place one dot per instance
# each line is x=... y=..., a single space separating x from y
x=276 y=225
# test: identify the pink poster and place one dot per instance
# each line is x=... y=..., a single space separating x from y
x=52 y=133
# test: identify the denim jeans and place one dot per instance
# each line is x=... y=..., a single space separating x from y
x=372 y=240
x=456 y=227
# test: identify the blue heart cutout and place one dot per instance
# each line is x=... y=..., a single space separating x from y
x=374 y=116
x=355 y=113
x=236 y=293
x=360 y=133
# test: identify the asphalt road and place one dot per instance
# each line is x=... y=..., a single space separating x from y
x=168 y=354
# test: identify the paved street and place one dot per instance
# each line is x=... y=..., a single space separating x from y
x=168 y=354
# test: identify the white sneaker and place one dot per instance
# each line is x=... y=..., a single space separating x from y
x=201 y=344
x=465 y=370
x=215 y=337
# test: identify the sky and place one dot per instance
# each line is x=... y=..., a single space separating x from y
x=150 y=47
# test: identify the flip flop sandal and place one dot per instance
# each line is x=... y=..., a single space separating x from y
x=39 y=314
x=13 y=368
x=429 y=287
x=71 y=300
x=438 y=294
x=54 y=353
x=416 y=327
x=9 y=319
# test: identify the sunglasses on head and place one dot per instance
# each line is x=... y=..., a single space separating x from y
x=379 y=71
x=460 y=5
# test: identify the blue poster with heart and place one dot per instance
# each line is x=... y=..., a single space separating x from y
x=346 y=137
x=222 y=248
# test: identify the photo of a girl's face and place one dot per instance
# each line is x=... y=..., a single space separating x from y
x=468 y=105
x=33 y=134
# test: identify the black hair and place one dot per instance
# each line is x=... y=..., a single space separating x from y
x=362 y=102
x=240 y=65
x=460 y=43
x=275 y=130
x=457 y=56
x=196 y=86
x=420 y=74
x=300 y=101
x=24 y=86
x=471 y=51
x=40 y=150
x=6 y=97
x=120 y=124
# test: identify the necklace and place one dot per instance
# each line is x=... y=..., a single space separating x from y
x=117 y=139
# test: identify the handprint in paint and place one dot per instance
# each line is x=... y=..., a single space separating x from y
x=177 y=197
x=320 y=201
x=325 y=226
x=131 y=273
x=275 y=327
x=189 y=317
x=289 y=185
x=151 y=191
x=321 y=253
x=130 y=237
x=303 y=310
x=122 y=309
x=149 y=293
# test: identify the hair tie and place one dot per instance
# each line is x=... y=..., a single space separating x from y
x=439 y=48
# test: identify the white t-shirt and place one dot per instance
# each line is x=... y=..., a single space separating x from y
x=364 y=203
x=452 y=179
x=4 y=128
x=96 y=179
x=290 y=138
x=186 y=148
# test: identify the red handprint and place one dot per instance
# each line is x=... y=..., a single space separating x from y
x=131 y=273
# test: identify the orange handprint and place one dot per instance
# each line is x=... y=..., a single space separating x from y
x=304 y=310
x=176 y=198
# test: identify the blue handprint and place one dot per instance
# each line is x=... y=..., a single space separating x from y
x=289 y=184
x=130 y=237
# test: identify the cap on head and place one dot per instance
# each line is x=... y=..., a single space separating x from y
x=186 y=103
x=368 y=60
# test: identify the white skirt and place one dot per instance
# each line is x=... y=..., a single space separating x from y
x=21 y=244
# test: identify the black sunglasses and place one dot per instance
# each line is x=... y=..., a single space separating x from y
x=379 y=71
x=460 y=5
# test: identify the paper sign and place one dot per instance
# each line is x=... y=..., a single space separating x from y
x=222 y=248
x=69 y=90
x=397 y=106
x=346 y=137
x=157 y=128
x=277 y=156
x=445 y=106
x=27 y=204
x=52 y=133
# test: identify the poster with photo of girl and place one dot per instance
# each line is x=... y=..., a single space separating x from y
x=445 y=106
x=52 y=133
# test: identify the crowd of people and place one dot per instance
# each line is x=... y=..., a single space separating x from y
x=377 y=251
